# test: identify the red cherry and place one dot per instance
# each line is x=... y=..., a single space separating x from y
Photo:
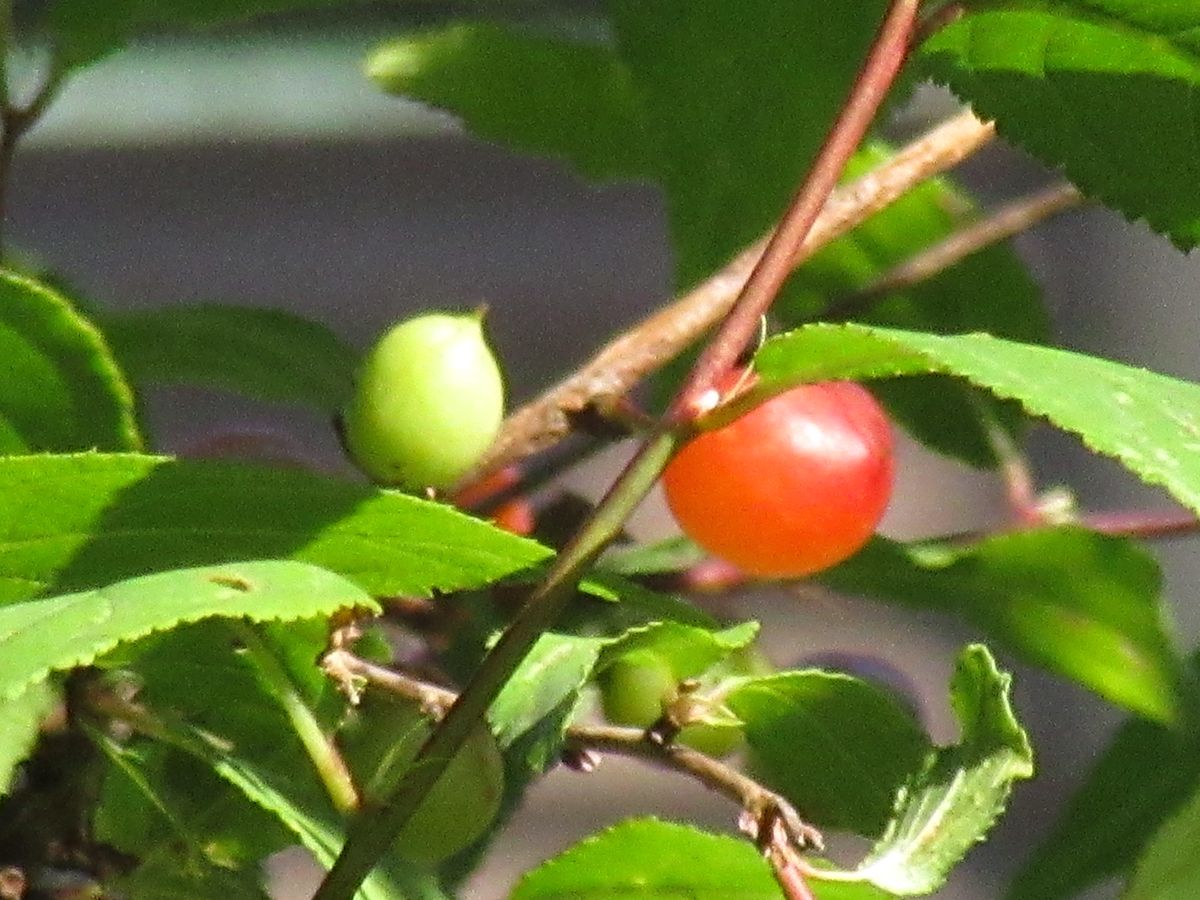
x=796 y=485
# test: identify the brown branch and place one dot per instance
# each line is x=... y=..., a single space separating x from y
x=375 y=830
x=647 y=346
x=1007 y=221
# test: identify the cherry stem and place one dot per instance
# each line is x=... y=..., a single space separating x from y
x=375 y=829
x=882 y=65
x=788 y=874
x=1142 y=524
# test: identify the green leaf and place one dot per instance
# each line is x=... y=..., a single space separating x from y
x=688 y=650
x=554 y=671
x=1084 y=605
x=1170 y=869
x=21 y=718
x=651 y=859
x=738 y=97
x=262 y=353
x=660 y=557
x=630 y=604
x=61 y=388
x=1143 y=777
x=1102 y=88
x=1148 y=422
x=81 y=521
x=988 y=291
x=43 y=636
x=950 y=805
x=862 y=743
x=534 y=93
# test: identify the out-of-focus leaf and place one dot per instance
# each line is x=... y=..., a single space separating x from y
x=738 y=97
x=1083 y=605
x=1169 y=868
x=85 y=30
x=1145 y=775
x=60 y=387
x=534 y=93
x=267 y=354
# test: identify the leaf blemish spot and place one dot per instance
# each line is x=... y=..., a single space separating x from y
x=232 y=581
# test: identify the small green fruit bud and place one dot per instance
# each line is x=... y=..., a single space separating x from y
x=428 y=403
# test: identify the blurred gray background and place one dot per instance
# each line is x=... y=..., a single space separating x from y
x=259 y=167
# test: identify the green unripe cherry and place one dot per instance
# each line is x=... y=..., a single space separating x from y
x=379 y=741
x=636 y=690
x=427 y=404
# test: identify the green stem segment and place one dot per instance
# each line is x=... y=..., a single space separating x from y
x=375 y=829
x=328 y=763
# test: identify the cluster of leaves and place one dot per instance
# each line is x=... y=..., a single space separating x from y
x=227 y=723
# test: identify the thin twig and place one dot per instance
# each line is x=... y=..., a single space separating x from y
x=1007 y=221
x=16 y=120
x=649 y=345
x=1142 y=524
x=349 y=671
x=765 y=806
x=715 y=576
